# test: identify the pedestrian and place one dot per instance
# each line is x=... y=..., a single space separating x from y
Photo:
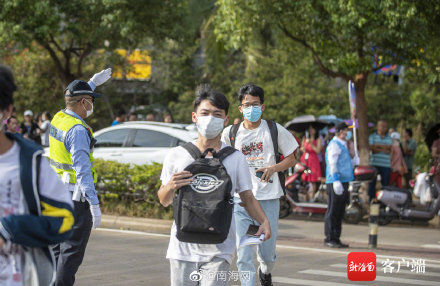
x=12 y=125
x=120 y=118
x=380 y=146
x=311 y=147
x=132 y=116
x=44 y=124
x=71 y=143
x=237 y=120
x=262 y=142
x=29 y=128
x=186 y=259
x=398 y=165
x=150 y=117
x=409 y=149
x=35 y=210
x=167 y=118
x=339 y=173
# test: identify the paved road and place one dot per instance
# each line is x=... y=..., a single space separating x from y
x=136 y=258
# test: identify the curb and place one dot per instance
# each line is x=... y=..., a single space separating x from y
x=135 y=223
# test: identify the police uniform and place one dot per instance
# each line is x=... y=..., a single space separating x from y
x=71 y=143
x=339 y=169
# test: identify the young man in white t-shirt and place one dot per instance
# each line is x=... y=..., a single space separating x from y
x=188 y=260
x=254 y=140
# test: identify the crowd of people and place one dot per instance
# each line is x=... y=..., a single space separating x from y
x=35 y=128
x=391 y=154
x=122 y=117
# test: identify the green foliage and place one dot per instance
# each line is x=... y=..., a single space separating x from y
x=130 y=189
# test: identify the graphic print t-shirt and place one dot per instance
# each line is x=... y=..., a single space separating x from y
x=256 y=145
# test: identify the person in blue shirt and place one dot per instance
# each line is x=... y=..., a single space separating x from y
x=120 y=118
x=380 y=146
x=71 y=155
x=339 y=173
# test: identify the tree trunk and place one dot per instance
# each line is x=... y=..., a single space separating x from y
x=361 y=115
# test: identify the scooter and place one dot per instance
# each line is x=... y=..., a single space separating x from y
x=356 y=210
x=397 y=204
x=295 y=187
x=296 y=194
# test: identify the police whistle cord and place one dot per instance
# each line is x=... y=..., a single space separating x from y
x=374 y=222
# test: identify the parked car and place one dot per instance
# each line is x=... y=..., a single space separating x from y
x=140 y=142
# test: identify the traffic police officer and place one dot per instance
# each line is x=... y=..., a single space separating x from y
x=71 y=143
x=338 y=174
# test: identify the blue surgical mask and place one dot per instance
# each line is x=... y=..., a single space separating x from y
x=252 y=113
x=349 y=135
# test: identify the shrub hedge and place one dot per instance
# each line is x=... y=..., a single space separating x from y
x=127 y=189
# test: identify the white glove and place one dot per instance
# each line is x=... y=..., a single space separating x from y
x=338 y=188
x=356 y=161
x=101 y=77
x=96 y=215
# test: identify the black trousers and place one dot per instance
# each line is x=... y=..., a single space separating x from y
x=69 y=254
x=335 y=213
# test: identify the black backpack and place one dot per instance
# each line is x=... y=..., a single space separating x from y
x=203 y=209
x=274 y=135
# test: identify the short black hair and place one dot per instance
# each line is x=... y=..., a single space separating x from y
x=48 y=115
x=409 y=131
x=7 y=87
x=251 y=89
x=9 y=119
x=216 y=98
x=121 y=112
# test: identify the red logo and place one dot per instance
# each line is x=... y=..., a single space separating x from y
x=361 y=266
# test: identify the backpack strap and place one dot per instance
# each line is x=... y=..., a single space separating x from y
x=233 y=133
x=274 y=135
x=192 y=150
x=225 y=152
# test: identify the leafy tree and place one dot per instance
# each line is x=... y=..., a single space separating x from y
x=71 y=32
x=344 y=37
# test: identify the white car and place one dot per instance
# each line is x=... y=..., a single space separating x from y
x=141 y=142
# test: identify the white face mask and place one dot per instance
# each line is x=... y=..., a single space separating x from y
x=210 y=126
x=88 y=112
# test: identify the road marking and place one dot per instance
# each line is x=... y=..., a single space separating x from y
x=378 y=278
x=293 y=281
x=278 y=245
x=347 y=252
x=134 y=232
x=431 y=246
x=401 y=271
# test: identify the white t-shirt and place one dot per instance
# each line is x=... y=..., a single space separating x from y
x=257 y=147
x=12 y=201
x=176 y=161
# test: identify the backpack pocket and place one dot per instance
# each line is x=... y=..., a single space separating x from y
x=212 y=217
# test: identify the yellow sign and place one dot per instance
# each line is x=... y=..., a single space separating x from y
x=137 y=65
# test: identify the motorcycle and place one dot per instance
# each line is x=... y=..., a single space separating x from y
x=397 y=203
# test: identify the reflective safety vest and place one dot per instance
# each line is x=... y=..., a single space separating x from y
x=60 y=158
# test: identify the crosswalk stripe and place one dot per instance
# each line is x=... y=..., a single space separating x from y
x=378 y=278
x=294 y=281
x=427 y=264
x=400 y=271
x=347 y=252
x=436 y=246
